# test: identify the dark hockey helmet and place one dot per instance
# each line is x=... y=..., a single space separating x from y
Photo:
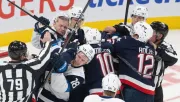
x=160 y=27
x=16 y=49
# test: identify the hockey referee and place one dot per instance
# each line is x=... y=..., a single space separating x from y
x=18 y=76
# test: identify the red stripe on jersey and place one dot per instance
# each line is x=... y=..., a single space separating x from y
x=146 y=91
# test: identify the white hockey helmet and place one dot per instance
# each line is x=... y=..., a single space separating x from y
x=93 y=36
x=61 y=14
x=88 y=51
x=140 y=11
x=75 y=12
x=111 y=83
x=143 y=30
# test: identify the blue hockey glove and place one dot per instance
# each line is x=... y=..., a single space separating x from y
x=60 y=65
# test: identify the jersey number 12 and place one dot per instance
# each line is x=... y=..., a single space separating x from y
x=145 y=69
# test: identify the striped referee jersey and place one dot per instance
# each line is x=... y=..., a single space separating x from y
x=18 y=79
x=166 y=56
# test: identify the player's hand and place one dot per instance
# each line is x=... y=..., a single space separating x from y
x=60 y=65
x=47 y=37
x=153 y=44
x=44 y=21
x=122 y=29
x=109 y=30
x=39 y=27
x=73 y=37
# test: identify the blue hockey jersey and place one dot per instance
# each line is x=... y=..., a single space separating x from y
x=100 y=66
x=141 y=57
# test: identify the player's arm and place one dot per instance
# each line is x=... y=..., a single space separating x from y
x=107 y=45
x=118 y=28
x=120 y=43
x=60 y=62
x=168 y=54
x=36 y=40
x=122 y=29
x=38 y=29
x=77 y=36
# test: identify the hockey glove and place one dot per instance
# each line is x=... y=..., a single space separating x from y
x=44 y=21
x=122 y=29
x=73 y=37
x=60 y=65
x=80 y=36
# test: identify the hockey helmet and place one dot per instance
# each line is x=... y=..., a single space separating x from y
x=76 y=12
x=88 y=51
x=140 y=11
x=160 y=27
x=111 y=82
x=143 y=30
x=93 y=36
x=61 y=14
x=16 y=49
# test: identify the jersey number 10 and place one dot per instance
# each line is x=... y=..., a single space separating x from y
x=105 y=60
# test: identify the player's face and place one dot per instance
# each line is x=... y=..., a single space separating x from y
x=136 y=19
x=153 y=38
x=81 y=59
x=61 y=26
x=73 y=22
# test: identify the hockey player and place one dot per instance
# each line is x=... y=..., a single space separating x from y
x=60 y=24
x=166 y=56
x=110 y=86
x=100 y=65
x=18 y=77
x=60 y=18
x=136 y=64
x=63 y=82
x=74 y=15
x=139 y=13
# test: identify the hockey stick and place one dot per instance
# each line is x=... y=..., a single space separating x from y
x=32 y=15
x=126 y=13
x=64 y=46
x=73 y=31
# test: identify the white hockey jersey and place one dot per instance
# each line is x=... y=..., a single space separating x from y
x=59 y=86
x=96 y=98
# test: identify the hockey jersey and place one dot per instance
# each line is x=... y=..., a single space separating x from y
x=165 y=56
x=140 y=57
x=56 y=39
x=100 y=66
x=60 y=84
x=18 y=79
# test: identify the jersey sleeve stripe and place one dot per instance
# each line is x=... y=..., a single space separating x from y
x=42 y=59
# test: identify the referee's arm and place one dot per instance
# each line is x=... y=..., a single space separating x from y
x=43 y=59
x=168 y=54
